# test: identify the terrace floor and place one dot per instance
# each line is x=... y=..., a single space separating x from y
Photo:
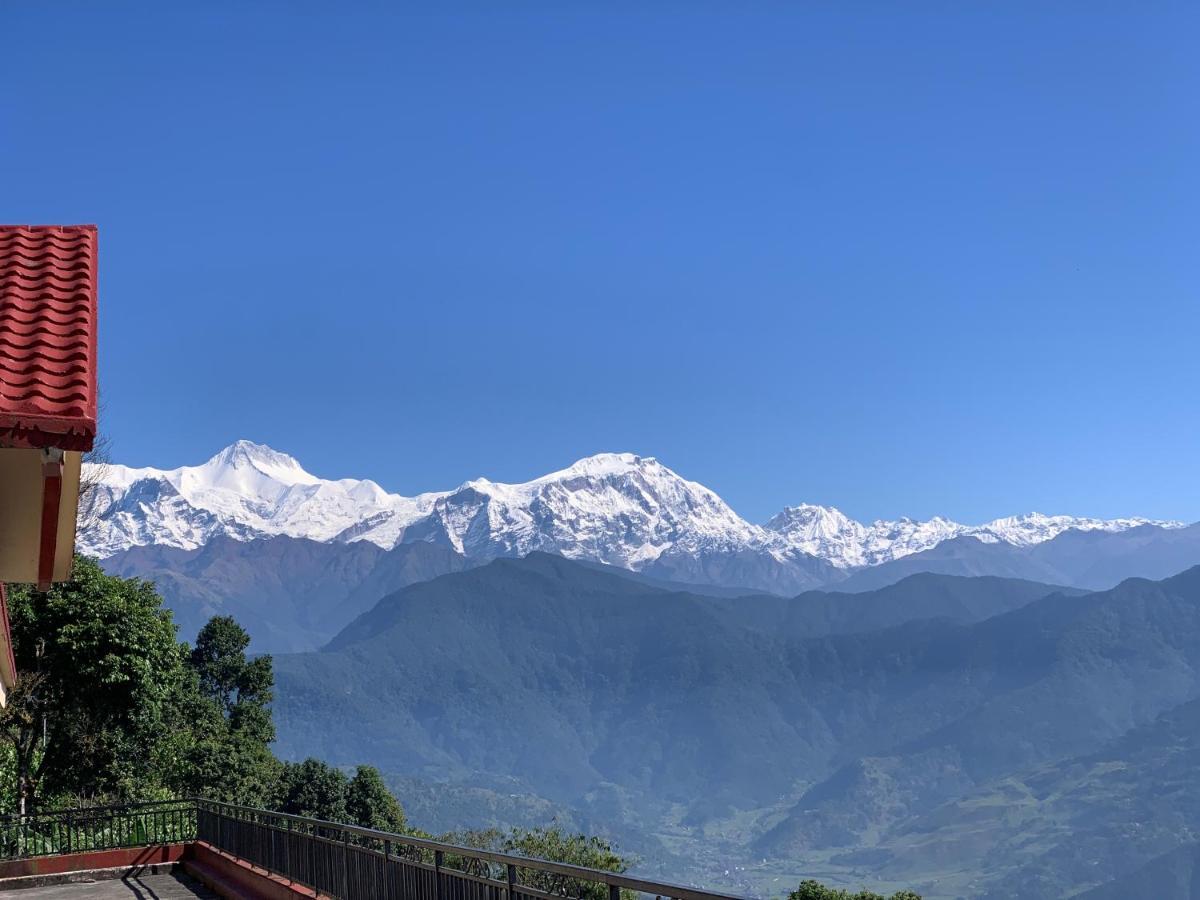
x=149 y=887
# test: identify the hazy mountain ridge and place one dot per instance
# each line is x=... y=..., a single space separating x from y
x=274 y=587
x=1088 y=559
x=291 y=594
x=873 y=712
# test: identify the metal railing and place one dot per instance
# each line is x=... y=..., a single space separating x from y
x=340 y=861
x=349 y=862
x=97 y=828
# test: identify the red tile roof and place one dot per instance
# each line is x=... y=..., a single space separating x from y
x=48 y=336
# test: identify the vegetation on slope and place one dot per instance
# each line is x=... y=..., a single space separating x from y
x=766 y=728
x=812 y=890
x=110 y=707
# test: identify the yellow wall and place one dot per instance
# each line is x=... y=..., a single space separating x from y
x=21 y=515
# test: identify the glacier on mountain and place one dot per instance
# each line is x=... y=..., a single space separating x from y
x=616 y=508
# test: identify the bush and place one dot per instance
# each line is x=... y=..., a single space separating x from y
x=813 y=890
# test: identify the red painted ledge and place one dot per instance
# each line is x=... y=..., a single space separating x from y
x=126 y=858
x=236 y=879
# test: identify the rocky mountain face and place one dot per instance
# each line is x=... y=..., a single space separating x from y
x=616 y=508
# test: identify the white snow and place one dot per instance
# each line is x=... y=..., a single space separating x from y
x=246 y=491
x=618 y=508
x=828 y=533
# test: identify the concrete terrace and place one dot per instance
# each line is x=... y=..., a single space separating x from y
x=174 y=886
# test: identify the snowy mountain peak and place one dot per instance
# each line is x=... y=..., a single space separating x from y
x=828 y=533
x=244 y=453
x=582 y=476
x=245 y=491
x=602 y=465
x=823 y=531
x=618 y=508
x=244 y=466
x=807 y=520
x=1035 y=527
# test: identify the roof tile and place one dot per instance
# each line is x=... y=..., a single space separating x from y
x=48 y=336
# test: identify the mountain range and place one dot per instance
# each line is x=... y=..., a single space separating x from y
x=965 y=736
x=992 y=711
x=616 y=508
x=251 y=534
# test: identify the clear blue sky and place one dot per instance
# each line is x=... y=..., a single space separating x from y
x=938 y=260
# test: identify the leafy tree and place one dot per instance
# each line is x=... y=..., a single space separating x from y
x=557 y=845
x=370 y=804
x=219 y=659
x=814 y=890
x=312 y=788
x=109 y=705
x=220 y=747
x=98 y=663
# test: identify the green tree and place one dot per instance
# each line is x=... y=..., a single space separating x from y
x=312 y=788
x=98 y=663
x=226 y=675
x=110 y=705
x=557 y=845
x=370 y=804
x=814 y=890
x=220 y=745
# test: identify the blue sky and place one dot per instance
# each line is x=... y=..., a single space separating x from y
x=900 y=258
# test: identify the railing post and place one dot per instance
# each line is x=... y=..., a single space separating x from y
x=437 y=874
x=287 y=851
x=387 y=868
x=346 y=864
x=512 y=881
x=614 y=892
x=70 y=822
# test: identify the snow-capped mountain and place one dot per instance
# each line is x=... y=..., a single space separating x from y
x=246 y=491
x=830 y=534
x=617 y=508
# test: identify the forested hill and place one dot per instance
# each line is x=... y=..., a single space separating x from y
x=804 y=731
x=295 y=594
x=591 y=587
x=611 y=674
